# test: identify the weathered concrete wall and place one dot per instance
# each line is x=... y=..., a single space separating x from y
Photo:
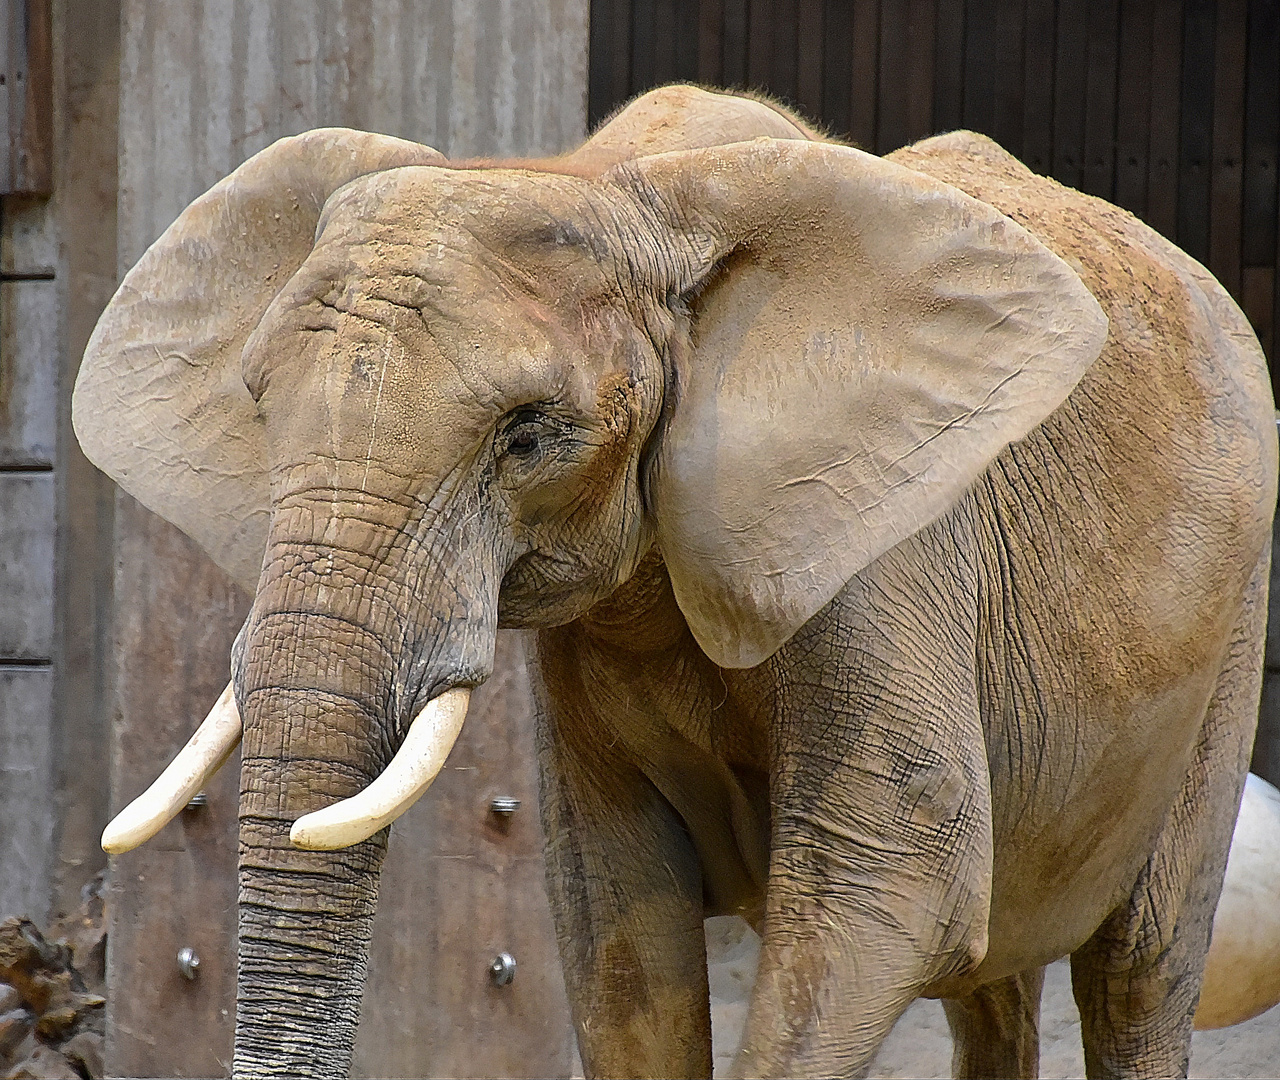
x=203 y=86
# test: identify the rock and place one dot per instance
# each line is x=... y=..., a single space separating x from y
x=51 y=1013
x=1242 y=970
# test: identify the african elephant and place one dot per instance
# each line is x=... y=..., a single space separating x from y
x=893 y=533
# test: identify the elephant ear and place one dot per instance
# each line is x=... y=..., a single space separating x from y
x=864 y=341
x=160 y=404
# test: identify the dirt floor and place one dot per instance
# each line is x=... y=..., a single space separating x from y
x=920 y=1045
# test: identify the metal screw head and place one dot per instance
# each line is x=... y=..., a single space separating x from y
x=503 y=969
x=188 y=962
x=504 y=805
x=198 y=800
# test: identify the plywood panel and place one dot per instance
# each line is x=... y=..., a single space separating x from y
x=205 y=84
x=26 y=97
x=28 y=372
x=26 y=790
x=26 y=565
x=175 y=621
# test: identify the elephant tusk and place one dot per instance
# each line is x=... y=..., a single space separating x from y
x=187 y=773
x=431 y=736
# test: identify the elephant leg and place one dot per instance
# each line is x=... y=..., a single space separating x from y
x=1137 y=979
x=996 y=1029
x=625 y=885
x=880 y=875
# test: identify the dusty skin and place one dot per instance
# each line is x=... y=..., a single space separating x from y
x=892 y=535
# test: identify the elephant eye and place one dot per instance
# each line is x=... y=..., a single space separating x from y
x=522 y=436
x=523 y=442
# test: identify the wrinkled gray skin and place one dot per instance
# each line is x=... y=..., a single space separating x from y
x=1017 y=729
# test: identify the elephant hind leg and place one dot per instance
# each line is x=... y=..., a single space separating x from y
x=996 y=1029
x=1137 y=979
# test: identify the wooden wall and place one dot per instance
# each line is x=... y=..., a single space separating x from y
x=204 y=84
x=57 y=268
x=1170 y=108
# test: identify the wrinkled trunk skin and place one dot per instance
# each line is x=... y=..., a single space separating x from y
x=312 y=694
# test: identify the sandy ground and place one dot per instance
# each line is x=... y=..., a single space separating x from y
x=920 y=1045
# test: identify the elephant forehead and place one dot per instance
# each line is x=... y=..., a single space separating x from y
x=405 y=354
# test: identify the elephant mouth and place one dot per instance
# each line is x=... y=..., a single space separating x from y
x=416 y=764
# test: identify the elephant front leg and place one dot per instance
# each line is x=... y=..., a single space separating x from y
x=880 y=875
x=626 y=897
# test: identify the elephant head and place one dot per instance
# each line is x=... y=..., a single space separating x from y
x=405 y=403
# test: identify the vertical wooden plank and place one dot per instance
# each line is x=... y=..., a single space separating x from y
x=687 y=46
x=665 y=32
x=642 y=35
x=1008 y=64
x=1133 y=105
x=893 y=83
x=837 y=65
x=711 y=41
x=784 y=58
x=620 y=57
x=809 y=75
x=600 y=69
x=1262 y=135
x=980 y=63
x=759 y=43
x=1257 y=293
x=89 y=89
x=1165 y=127
x=26 y=97
x=864 y=89
x=948 y=66
x=1100 y=99
x=1069 y=85
x=736 y=27
x=923 y=20
x=1196 y=135
x=1226 y=185
x=1039 y=51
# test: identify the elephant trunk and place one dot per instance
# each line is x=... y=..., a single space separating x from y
x=311 y=738
x=325 y=673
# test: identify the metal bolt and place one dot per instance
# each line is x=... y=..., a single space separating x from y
x=199 y=799
x=503 y=969
x=504 y=805
x=188 y=962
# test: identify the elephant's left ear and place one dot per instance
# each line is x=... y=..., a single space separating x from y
x=865 y=341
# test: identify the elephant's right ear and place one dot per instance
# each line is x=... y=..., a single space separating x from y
x=865 y=340
x=160 y=404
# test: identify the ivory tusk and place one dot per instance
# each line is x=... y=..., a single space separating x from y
x=431 y=736
x=187 y=773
